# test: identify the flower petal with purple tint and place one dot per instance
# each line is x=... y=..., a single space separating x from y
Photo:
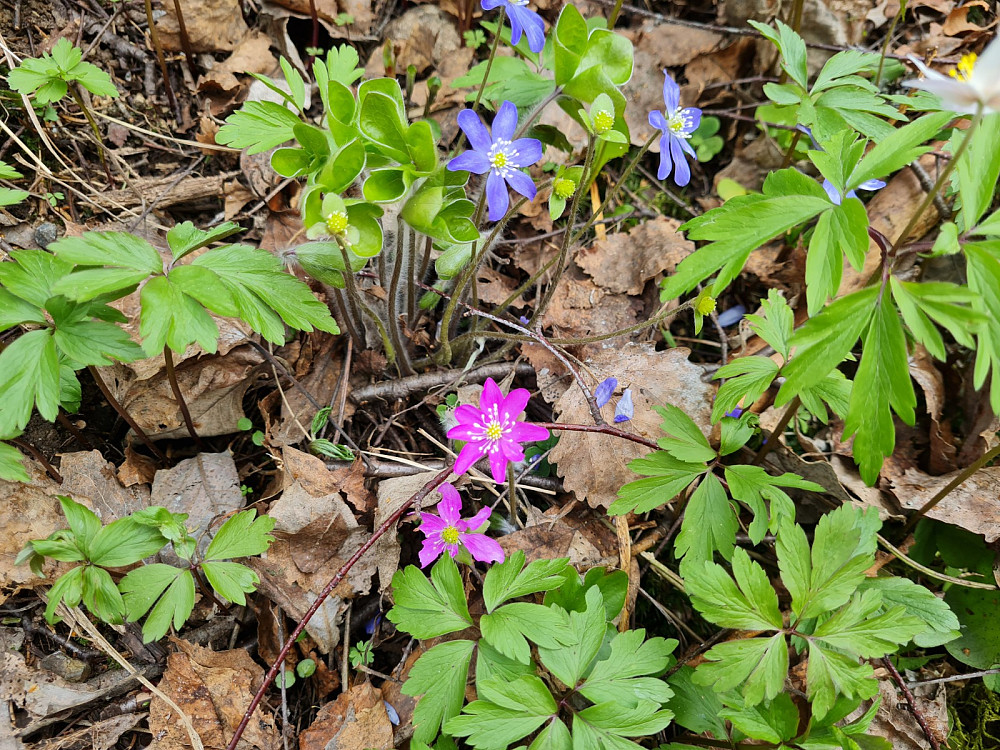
x=624 y=411
x=605 y=390
x=450 y=531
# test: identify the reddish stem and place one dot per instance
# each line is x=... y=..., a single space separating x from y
x=327 y=590
x=601 y=428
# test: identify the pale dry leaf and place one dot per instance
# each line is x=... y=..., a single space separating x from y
x=88 y=474
x=958 y=21
x=579 y=535
x=625 y=261
x=361 y=11
x=595 y=466
x=318 y=480
x=213 y=689
x=972 y=505
x=581 y=308
x=392 y=493
x=212 y=25
x=356 y=720
x=895 y=721
x=251 y=55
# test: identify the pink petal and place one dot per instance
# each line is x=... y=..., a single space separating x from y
x=431 y=524
x=498 y=466
x=525 y=432
x=491 y=396
x=450 y=506
x=431 y=550
x=482 y=547
x=466 y=415
x=472 y=524
x=511 y=450
x=466 y=432
x=514 y=404
x=470 y=453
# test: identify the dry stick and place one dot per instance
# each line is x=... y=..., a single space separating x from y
x=117 y=406
x=185 y=40
x=967 y=472
x=154 y=37
x=38 y=456
x=393 y=390
x=952 y=678
x=74 y=431
x=168 y=359
x=604 y=429
x=912 y=701
x=387 y=524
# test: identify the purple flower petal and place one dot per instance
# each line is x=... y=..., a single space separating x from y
x=624 y=410
x=525 y=432
x=466 y=432
x=431 y=524
x=658 y=121
x=470 y=161
x=450 y=507
x=433 y=545
x=736 y=412
x=505 y=123
x=513 y=406
x=491 y=4
x=682 y=172
x=475 y=131
x=470 y=453
x=694 y=115
x=496 y=196
x=666 y=163
x=732 y=316
x=465 y=413
x=529 y=151
x=531 y=23
x=472 y=524
x=511 y=450
x=522 y=184
x=604 y=391
x=482 y=548
x=498 y=466
x=872 y=185
x=515 y=25
x=671 y=93
x=832 y=193
x=491 y=396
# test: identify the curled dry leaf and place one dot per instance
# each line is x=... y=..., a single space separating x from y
x=595 y=466
x=357 y=719
x=213 y=689
x=565 y=532
x=212 y=25
x=972 y=505
x=895 y=721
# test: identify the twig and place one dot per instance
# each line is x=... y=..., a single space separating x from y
x=967 y=472
x=953 y=678
x=117 y=406
x=775 y=436
x=910 y=699
x=395 y=390
x=154 y=38
x=168 y=359
x=38 y=456
x=387 y=524
x=604 y=429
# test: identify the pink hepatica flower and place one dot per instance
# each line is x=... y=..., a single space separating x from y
x=449 y=530
x=493 y=430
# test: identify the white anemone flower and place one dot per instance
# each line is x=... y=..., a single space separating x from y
x=974 y=83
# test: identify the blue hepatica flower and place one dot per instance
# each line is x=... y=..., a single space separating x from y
x=834 y=194
x=521 y=19
x=604 y=391
x=624 y=410
x=500 y=155
x=677 y=125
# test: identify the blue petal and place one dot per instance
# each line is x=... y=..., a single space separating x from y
x=658 y=121
x=474 y=130
x=872 y=185
x=695 y=114
x=832 y=192
x=808 y=132
x=491 y=4
x=686 y=145
x=732 y=316
x=529 y=150
x=682 y=172
x=470 y=161
x=522 y=184
x=624 y=410
x=515 y=24
x=496 y=196
x=531 y=22
x=604 y=391
x=505 y=122
x=671 y=93
x=665 y=162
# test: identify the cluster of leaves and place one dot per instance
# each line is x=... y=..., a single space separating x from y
x=163 y=591
x=888 y=313
x=63 y=295
x=48 y=77
x=559 y=668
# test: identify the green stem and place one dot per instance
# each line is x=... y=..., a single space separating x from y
x=93 y=126
x=489 y=60
x=888 y=38
x=536 y=112
x=775 y=436
x=942 y=180
x=117 y=406
x=614 y=15
x=393 y=302
x=355 y=297
x=154 y=37
x=967 y=472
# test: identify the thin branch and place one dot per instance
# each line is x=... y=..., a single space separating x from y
x=908 y=694
x=168 y=360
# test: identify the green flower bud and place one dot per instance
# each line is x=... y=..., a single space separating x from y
x=563 y=188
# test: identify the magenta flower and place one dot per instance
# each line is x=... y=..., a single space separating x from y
x=493 y=430
x=449 y=531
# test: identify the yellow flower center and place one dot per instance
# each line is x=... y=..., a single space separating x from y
x=494 y=431
x=705 y=306
x=603 y=122
x=563 y=187
x=449 y=535
x=499 y=160
x=963 y=71
x=336 y=223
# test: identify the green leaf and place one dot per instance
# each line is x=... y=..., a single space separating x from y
x=572 y=594
x=243 y=535
x=831 y=674
x=258 y=127
x=843 y=549
x=33 y=275
x=15 y=311
x=623 y=676
x=776 y=322
x=185 y=237
x=12 y=468
x=94 y=342
x=942 y=302
x=747 y=379
x=695 y=709
x=758 y=666
x=792 y=48
x=68 y=590
x=751 y=606
x=668 y=477
x=118 y=249
x=710 y=523
x=231 y=580
x=29 y=376
x=11 y=197
x=608 y=721
x=774 y=721
x=341 y=65
x=170 y=589
x=882 y=383
x=854 y=629
x=172 y=318
x=491 y=663
x=427 y=609
x=897 y=150
x=554 y=736
x=507 y=627
x=752 y=485
x=940 y=623
x=124 y=542
x=506 y=712
x=101 y=596
x=7 y=172
x=510 y=579
x=978 y=170
x=570 y=661
x=262 y=292
x=438 y=677
x=823 y=342
x=687 y=442
x=983 y=269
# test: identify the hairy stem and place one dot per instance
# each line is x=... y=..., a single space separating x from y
x=168 y=359
x=604 y=429
x=74 y=92
x=393 y=303
x=355 y=297
x=116 y=405
x=489 y=60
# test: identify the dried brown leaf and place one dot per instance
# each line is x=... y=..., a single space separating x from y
x=357 y=720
